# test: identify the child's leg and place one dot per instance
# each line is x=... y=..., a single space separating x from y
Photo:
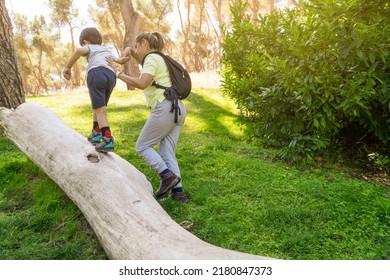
x=101 y=82
x=107 y=144
x=95 y=125
x=101 y=116
x=96 y=136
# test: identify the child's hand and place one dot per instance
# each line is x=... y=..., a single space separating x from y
x=125 y=57
x=67 y=73
x=133 y=52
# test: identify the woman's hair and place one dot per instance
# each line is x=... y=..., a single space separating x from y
x=92 y=35
x=155 y=40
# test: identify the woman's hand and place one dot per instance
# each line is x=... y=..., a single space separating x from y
x=111 y=63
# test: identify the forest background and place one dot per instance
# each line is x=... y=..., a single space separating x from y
x=194 y=34
x=316 y=103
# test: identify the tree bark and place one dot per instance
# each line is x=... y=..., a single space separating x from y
x=187 y=52
x=296 y=2
x=255 y=11
x=133 y=22
x=115 y=197
x=11 y=89
x=76 y=69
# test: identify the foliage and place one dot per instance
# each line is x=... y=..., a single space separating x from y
x=107 y=14
x=199 y=34
x=158 y=16
x=241 y=197
x=63 y=12
x=110 y=23
x=40 y=58
x=311 y=76
x=194 y=38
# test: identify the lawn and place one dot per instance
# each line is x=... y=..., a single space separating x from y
x=241 y=196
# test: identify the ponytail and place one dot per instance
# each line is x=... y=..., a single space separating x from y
x=155 y=40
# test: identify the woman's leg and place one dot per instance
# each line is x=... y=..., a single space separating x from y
x=167 y=147
x=161 y=130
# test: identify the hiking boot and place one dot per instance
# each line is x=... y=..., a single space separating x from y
x=107 y=145
x=95 y=137
x=180 y=196
x=167 y=182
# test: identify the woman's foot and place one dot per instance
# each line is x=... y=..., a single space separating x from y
x=180 y=196
x=167 y=182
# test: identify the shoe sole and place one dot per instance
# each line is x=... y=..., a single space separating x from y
x=180 y=200
x=174 y=183
x=94 y=143
x=104 y=150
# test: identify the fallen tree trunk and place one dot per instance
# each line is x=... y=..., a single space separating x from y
x=116 y=198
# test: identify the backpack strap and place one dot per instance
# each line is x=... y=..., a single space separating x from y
x=155 y=84
x=169 y=93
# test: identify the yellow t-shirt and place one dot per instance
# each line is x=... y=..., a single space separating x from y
x=155 y=65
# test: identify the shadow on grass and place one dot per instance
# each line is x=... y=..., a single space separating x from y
x=208 y=112
x=211 y=114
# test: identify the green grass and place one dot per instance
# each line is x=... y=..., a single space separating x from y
x=241 y=196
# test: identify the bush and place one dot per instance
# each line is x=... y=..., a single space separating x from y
x=305 y=75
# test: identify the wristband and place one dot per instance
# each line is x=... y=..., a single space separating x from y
x=117 y=72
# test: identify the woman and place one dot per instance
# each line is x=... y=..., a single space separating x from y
x=160 y=128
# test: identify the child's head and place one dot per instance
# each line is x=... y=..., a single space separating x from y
x=154 y=39
x=92 y=35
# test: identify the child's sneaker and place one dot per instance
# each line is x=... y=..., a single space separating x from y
x=107 y=145
x=95 y=137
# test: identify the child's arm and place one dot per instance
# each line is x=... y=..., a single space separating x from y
x=66 y=72
x=125 y=56
x=141 y=82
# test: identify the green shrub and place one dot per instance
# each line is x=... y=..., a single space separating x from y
x=305 y=75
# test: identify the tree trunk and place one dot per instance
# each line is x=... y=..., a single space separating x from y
x=255 y=11
x=133 y=21
x=113 y=195
x=76 y=69
x=272 y=6
x=11 y=89
x=185 y=30
x=295 y=2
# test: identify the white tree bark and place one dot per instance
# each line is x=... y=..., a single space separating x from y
x=116 y=198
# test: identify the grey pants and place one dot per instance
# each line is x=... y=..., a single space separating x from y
x=160 y=130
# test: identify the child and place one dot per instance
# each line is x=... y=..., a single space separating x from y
x=101 y=81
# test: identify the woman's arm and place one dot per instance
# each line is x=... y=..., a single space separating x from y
x=141 y=82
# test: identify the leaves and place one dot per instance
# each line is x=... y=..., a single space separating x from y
x=325 y=67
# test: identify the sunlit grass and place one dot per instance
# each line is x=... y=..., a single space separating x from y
x=241 y=196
